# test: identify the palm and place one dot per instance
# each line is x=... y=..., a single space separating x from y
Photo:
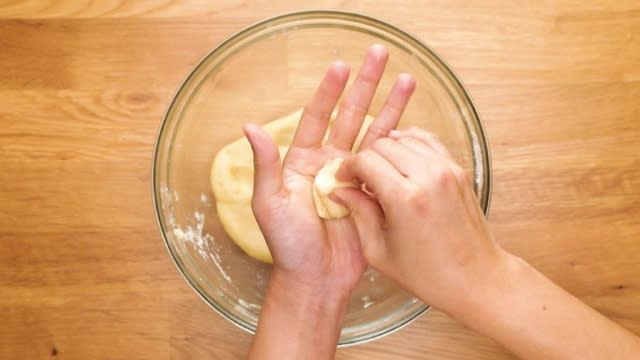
x=328 y=247
x=302 y=243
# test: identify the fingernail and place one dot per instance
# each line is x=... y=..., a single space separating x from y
x=395 y=133
x=406 y=80
x=378 y=52
x=340 y=65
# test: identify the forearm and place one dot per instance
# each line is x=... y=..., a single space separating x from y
x=536 y=319
x=298 y=322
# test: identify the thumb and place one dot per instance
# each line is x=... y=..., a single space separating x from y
x=267 y=176
x=369 y=220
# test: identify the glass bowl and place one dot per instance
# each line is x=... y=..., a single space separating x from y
x=265 y=71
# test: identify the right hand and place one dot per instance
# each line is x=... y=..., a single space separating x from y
x=426 y=230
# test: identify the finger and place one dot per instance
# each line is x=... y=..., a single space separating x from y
x=428 y=158
x=414 y=135
x=418 y=147
x=354 y=108
x=368 y=219
x=267 y=178
x=426 y=137
x=315 y=118
x=406 y=161
x=392 y=110
x=379 y=176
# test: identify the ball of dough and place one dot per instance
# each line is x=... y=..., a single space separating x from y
x=324 y=184
x=232 y=184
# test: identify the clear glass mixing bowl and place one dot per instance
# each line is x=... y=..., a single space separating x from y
x=263 y=72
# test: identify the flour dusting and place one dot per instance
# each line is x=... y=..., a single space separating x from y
x=366 y=302
x=217 y=262
x=195 y=236
x=204 y=199
x=249 y=305
x=203 y=242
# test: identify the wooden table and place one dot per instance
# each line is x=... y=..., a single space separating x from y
x=83 y=87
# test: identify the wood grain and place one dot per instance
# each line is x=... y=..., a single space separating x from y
x=84 y=84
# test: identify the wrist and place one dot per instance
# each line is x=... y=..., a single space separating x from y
x=485 y=295
x=286 y=283
x=299 y=317
x=307 y=304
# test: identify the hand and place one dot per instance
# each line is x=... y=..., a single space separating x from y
x=428 y=232
x=316 y=262
x=310 y=251
x=429 y=235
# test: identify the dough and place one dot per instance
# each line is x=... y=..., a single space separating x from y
x=232 y=185
x=323 y=185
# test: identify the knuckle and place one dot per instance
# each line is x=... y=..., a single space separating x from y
x=353 y=110
x=414 y=130
x=378 y=132
x=363 y=156
x=418 y=198
x=444 y=176
x=382 y=143
x=308 y=111
x=360 y=161
x=368 y=79
x=314 y=113
x=433 y=138
x=412 y=142
x=436 y=138
x=395 y=109
x=426 y=136
x=460 y=174
x=357 y=159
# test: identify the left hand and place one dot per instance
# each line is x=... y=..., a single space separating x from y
x=316 y=262
x=307 y=250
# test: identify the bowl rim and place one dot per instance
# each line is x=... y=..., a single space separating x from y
x=317 y=14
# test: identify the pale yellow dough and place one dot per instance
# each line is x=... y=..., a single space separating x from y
x=324 y=184
x=232 y=185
